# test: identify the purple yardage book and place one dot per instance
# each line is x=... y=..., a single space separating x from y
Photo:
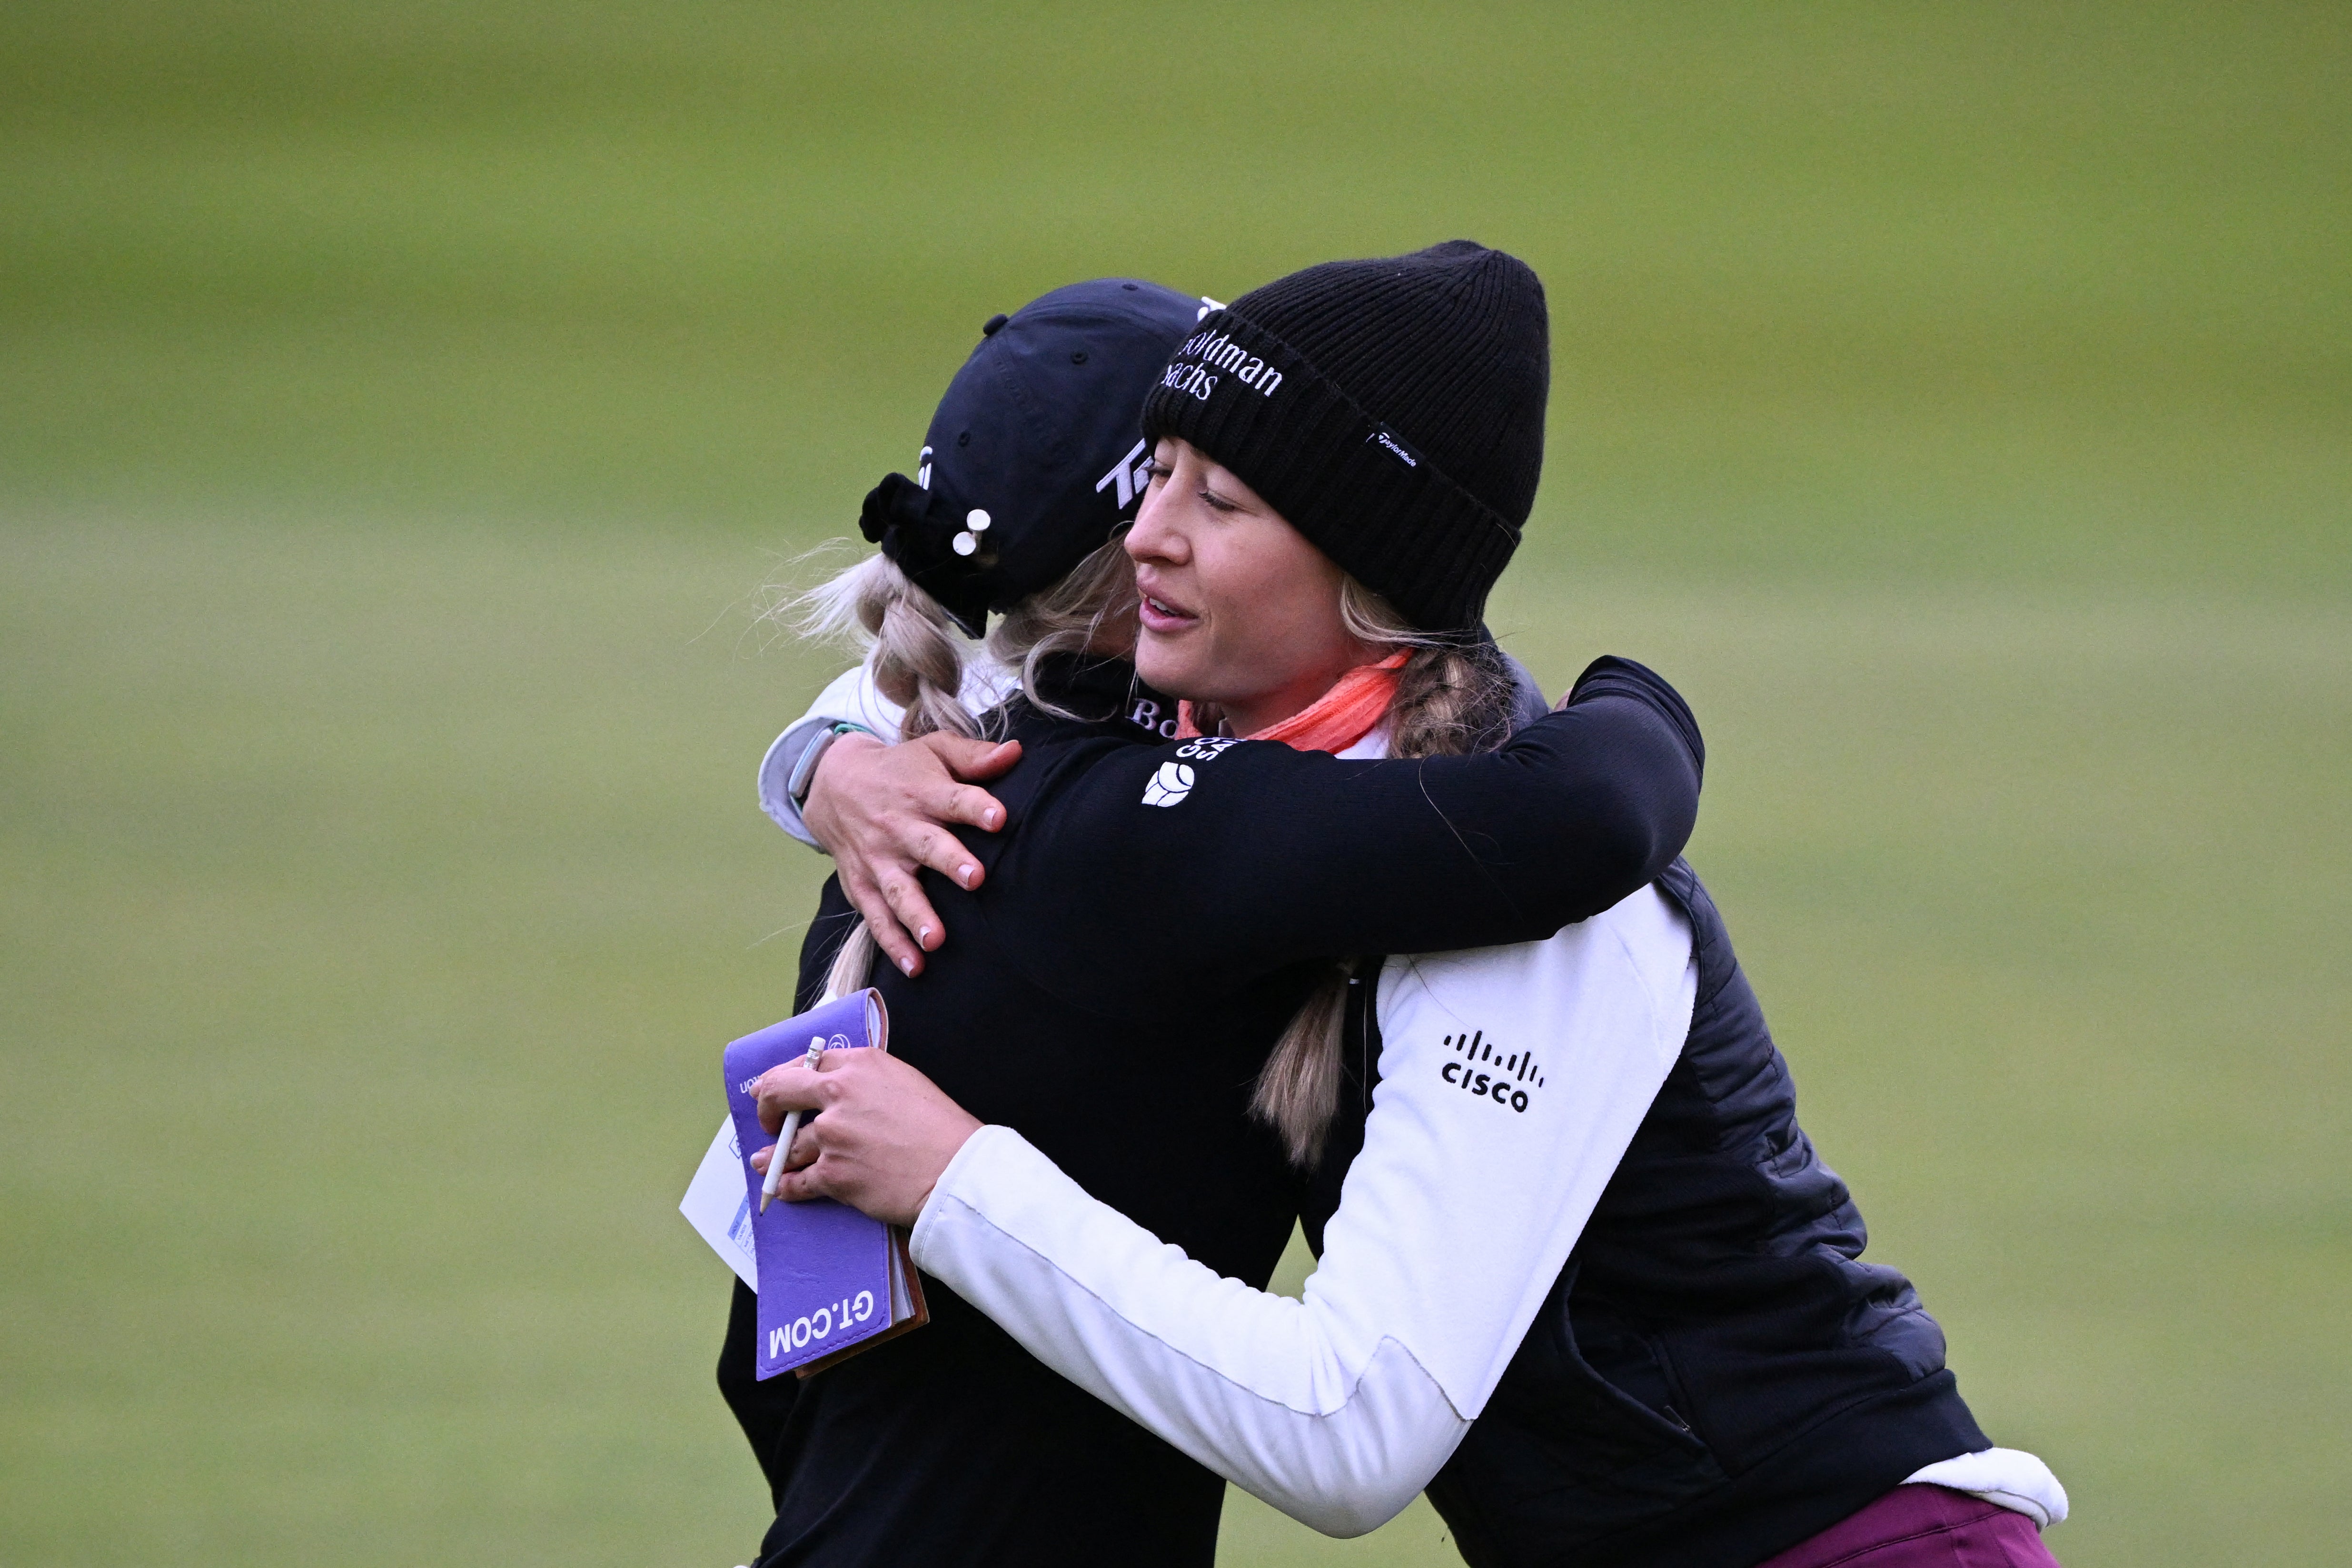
x=832 y=1282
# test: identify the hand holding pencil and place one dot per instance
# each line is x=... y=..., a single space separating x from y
x=785 y=1137
x=887 y=1136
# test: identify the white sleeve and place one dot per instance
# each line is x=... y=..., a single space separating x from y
x=2012 y=1477
x=1511 y=1080
x=852 y=697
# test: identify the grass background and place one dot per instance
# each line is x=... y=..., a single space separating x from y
x=400 y=408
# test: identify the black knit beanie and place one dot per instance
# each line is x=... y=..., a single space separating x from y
x=1392 y=410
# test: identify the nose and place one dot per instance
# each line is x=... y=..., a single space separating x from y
x=1155 y=536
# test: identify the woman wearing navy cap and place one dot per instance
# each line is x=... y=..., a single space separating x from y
x=1110 y=917
x=1590 y=1282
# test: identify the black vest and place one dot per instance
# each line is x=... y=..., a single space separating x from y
x=1716 y=1374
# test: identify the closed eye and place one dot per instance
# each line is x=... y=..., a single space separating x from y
x=1217 y=502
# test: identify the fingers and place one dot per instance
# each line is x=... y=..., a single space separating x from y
x=897 y=946
x=883 y=887
x=942 y=800
x=883 y=813
x=799 y=1187
x=789 y=1088
x=795 y=1085
x=970 y=805
x=818 y=1170
x=896 y=942
x=912 y=912
x=945 y=853
x=950 y=796
x=807 y=1148
x=973 y=760
x=885 y=1134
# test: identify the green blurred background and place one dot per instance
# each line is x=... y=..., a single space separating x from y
x=402 y=407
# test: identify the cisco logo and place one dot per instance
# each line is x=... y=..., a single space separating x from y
x=1507 y=1079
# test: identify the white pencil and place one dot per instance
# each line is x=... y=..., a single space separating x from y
x=784 y=1138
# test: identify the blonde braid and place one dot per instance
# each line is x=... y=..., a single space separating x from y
x=917 y=655
x=914 y=649
x=1450 y=700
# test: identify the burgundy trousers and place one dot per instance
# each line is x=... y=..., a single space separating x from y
x=1922 y=1527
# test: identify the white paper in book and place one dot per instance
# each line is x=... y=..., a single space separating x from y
x=719 y=1208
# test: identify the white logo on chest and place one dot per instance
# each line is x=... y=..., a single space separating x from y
x=1169 y=786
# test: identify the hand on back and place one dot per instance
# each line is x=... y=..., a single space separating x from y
x=882 y=813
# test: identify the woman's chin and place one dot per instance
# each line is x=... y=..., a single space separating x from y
x=1163 y=668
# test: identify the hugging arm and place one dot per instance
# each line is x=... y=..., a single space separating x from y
x=1216 y=861
x=1338 y=1408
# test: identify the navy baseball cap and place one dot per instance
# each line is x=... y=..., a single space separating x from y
x=1035 y=455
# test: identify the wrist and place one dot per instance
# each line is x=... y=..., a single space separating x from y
x=804 y=774
x=968 y=1153
x=831 y=817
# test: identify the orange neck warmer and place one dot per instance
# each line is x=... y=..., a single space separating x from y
x=1334 y=721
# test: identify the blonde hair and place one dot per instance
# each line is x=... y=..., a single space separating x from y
x=918 y=654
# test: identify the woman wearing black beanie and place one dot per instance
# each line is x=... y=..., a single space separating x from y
x=1391 y=411
x=1582 y=1212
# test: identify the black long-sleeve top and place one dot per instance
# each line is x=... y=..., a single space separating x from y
x=1144 y=933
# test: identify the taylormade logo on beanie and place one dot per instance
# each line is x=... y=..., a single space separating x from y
x=1392 y=409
